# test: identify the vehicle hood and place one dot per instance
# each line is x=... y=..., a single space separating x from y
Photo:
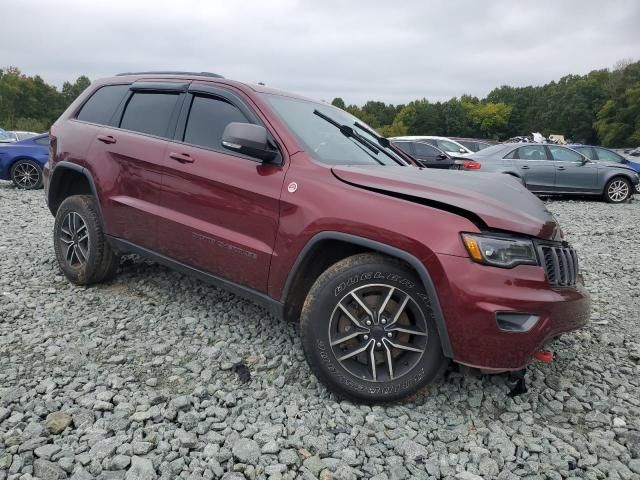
x=497 y=200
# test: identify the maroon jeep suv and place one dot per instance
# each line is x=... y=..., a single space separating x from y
x=392 y=270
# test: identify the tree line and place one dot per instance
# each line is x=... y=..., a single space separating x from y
x=601 y=107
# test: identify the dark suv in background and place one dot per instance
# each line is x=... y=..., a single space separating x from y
x=391 y=270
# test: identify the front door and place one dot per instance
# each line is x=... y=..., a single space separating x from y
x=573 y=174
x=222 y=208
x=536 y=169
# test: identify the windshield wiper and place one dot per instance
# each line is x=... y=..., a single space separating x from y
x=349 y=132
x=381 y=140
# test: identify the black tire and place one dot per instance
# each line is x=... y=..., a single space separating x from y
x=324 y=321
x=82 y=251
x=26 y=174
x=615 y=190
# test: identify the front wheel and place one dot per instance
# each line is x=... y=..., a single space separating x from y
x=26 y=174
x=617 y=190
x=368 y=330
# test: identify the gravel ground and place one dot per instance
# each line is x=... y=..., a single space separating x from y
x=133 y=379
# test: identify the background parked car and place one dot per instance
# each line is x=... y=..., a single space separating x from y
x=425 y=154
x=601 y=154
x=635 y=152
x=447 y=145
x=22 y=162
x=556 y=170
x=473 y=144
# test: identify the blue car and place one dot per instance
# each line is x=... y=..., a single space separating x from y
x=22 y=162
x=604 y=155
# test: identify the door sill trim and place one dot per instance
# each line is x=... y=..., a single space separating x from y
x=274 y=307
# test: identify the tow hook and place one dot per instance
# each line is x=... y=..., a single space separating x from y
x=519 y=383
x=543 y=356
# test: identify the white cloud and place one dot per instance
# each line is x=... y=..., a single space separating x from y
x=390 y=51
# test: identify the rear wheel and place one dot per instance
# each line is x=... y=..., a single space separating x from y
x=83 y=254
x=26 y=174
x=618 y=189
x=368 y=330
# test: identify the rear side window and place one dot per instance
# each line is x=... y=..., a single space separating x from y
x=149 y=112
x=102 y=104
x=564 y=154
x=404 y=146
x=208 y=118
x=532 y=152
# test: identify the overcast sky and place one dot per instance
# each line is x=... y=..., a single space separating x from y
x=395 y=51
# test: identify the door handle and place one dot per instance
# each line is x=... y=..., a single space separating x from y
x=561 y=168
x=108 y=139
x=525 y=167
x=181 y=157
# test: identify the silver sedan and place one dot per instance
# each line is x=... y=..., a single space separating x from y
x=555 y=170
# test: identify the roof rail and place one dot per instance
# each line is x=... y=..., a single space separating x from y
x=163 y=72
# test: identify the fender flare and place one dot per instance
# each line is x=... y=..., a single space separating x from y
x=56 y=175
x=413 y=261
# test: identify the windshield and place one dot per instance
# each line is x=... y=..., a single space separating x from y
x=6 y=137
x=326 y=142
x=448 y=146
x=492 y=150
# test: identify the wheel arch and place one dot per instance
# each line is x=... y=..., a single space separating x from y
x=69 y=179
x=314 y=259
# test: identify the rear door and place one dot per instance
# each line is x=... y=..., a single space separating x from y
x=535 y=167
x=572 y=174
x=222 y=207
x=431 y=157
x=128 y=157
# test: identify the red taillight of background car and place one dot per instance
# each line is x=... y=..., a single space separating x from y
x=471 y=165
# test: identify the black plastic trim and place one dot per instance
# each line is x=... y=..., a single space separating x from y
x=273 y=306
x=56 y=173
x=388 y=250
x=169 y=72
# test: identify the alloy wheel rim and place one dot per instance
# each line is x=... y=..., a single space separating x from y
x=618 y=190
x=26 y=175
x=378 y=333
x=74 y=239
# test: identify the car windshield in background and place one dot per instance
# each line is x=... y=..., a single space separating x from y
x=448 y=146
x=312 y=124
x=489 y=151
x=6 y=137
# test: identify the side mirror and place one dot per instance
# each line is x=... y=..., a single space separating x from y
x=585 y=160
x=441 y=156
x=248 y=139
x=462 y=150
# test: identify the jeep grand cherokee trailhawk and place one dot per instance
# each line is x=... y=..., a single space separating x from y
x=392 y=270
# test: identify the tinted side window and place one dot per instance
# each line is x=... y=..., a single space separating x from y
x=404 y=146
x=608 y=155
x=102 y=104
x=586 y=151
x=532 y=152
x=42 y=141
x=208 y=118
x=424 y=150
x=149 y=113
x=564 y=154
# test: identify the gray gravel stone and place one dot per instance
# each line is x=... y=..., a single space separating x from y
x=137 y=373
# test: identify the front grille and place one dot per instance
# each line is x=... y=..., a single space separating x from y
x=560 y=265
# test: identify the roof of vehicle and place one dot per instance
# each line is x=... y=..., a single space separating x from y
x=200 y=76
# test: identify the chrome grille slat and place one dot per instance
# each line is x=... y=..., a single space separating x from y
x=560 y=265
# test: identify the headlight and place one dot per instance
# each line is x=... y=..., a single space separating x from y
x=500 y=251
